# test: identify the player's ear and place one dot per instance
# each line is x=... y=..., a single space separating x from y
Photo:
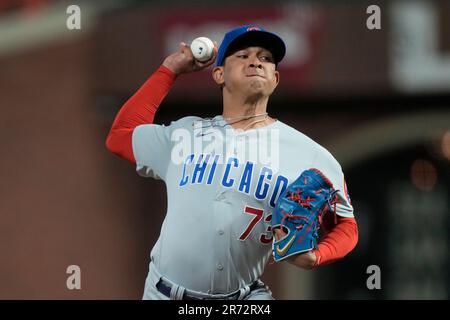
x=277 y=77
x=217 y=74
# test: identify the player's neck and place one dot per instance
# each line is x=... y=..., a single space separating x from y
x=249 y=110
x=251 y=121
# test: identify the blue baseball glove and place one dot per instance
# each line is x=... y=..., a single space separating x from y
x=299 y=212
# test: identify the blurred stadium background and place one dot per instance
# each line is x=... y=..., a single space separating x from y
x=379 y=100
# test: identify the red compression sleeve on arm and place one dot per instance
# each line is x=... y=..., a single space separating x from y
x=338 y=242
x=139 y=109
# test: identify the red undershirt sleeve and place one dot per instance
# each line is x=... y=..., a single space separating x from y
x=338 y=242
x=138 y=110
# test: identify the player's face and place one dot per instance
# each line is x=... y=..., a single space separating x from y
x=249 y=71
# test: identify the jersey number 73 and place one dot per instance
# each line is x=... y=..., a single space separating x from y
x=265 y=237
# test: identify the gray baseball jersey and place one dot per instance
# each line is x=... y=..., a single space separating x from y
x=222 y=185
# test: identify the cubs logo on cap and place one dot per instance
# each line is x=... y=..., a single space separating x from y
x=250 y=35
x=253 y=28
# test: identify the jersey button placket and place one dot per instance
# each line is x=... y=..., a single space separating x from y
x=238 y=140
x=219 y=267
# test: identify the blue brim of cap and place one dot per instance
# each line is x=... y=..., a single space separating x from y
x=260 y=38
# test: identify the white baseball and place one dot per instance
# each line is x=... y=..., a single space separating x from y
x=202 y=48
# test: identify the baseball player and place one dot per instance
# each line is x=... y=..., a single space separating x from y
x=224 y=174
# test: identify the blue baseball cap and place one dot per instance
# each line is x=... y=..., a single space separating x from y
x=247 y=36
